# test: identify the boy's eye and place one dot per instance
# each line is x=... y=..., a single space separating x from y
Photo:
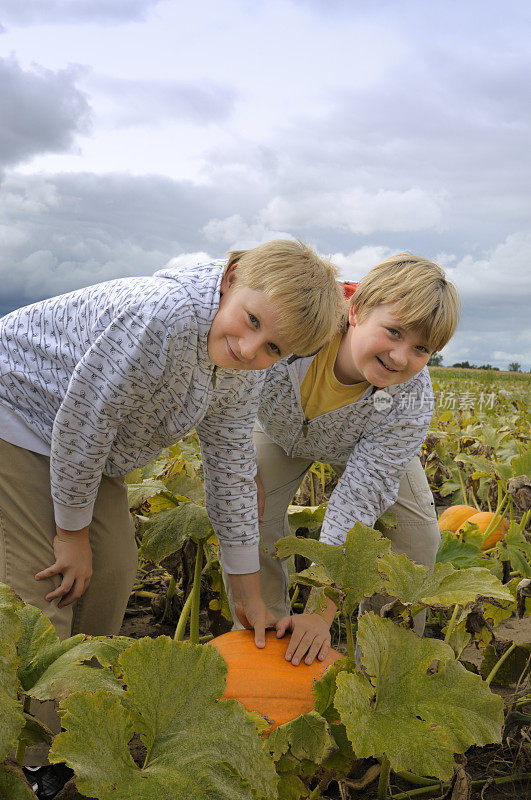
x=253 y=320
x=423 y=349
x=274 y=348
x=393 y=331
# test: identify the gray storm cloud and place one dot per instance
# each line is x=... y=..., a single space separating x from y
x=42 y=111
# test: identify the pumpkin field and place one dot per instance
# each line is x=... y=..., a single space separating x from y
x=151 y=715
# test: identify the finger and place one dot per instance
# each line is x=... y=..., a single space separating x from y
x=315 y=648
x=294 y=642
x=283 y=625
x=63 y=589
x=49 y=572
x=325 y=649
x=74 y=594
x=259 y=633
x=302 y=649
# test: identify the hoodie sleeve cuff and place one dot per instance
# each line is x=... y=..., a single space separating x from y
x=239 y=559
x=72 y=519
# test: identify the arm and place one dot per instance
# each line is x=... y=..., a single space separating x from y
x=367 y=487
x=229 y=464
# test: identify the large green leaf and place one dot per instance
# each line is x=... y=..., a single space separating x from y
x=165 y=532
x=197 y=747
x=305 y=737
x=457 y=552
x=310 y=517
x=11 y=717
x=417 y=717
x=50 y=669
x=413 y=583
x=351 y=567
x=13 y=785
x=138 y=493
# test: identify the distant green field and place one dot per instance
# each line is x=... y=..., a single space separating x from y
x=486 y=377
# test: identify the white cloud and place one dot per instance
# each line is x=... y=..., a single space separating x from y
x=357 y=211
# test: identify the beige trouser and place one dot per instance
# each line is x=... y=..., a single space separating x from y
x=27 y=529
x=416 y=534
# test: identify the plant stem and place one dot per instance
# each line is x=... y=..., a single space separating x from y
x=383 y=781
x=183 y=619
x=315 y=793
x=465 y=499
x=312 y=490
x=21 y=746
x=498 y=664
x=524 y=776
x=196 y=594
x=451 y=624
x=416 y=780
x=294 y=596
x=351 y=649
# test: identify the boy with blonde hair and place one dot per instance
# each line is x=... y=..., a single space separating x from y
x=364 y=403
x=98 y=381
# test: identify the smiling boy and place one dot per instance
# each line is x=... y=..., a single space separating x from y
x=330 y=407
x=98 y=381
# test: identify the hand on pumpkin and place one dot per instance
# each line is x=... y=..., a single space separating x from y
x=310 y=637
x=249 y=606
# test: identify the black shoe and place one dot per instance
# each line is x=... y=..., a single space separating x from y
x=47 y=781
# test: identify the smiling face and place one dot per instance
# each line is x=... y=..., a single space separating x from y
x=378 y=349
x=244 y=333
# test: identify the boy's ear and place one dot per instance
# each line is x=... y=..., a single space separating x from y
x=228 y=278
x=352 y=316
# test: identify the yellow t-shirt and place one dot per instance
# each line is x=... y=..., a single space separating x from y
x=320 y=390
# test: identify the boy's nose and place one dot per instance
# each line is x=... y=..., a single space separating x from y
x=399 y=356
x=249 y=346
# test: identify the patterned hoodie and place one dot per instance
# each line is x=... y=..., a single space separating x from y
x=376 y=437
x=103 y=378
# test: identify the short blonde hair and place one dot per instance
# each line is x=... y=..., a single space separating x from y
x=302 y=287
x=421 y=296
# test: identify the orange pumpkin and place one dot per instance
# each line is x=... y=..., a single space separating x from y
x=483 y=519
x=454 y=517
x=262 y=680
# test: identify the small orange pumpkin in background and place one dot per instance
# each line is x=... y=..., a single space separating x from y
x=262 y=680
x=454 y=517
x=483 y=519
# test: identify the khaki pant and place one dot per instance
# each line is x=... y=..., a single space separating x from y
x=27 y=529
x=416 y=534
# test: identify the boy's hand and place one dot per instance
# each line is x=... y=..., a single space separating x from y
x=73 y=561
x=310 y=637
x=249 y=606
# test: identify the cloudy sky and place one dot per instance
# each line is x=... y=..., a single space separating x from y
x=134 y=132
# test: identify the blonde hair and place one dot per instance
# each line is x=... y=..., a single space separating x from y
x=421 y=296
x=302 y=287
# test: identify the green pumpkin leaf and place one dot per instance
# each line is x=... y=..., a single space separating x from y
x=310 y=517
x=521 y=465
x=165 y=532
x=35 y=732
x=11 y=717
x=457 y=552
x=413 y=583
x=290 y=787
x=511 y=669
x=305 y=737
x=417 y=718
x=352 y=566
x=50 y=669
x=138 y=493
x=13 y=785
x=197 y=747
